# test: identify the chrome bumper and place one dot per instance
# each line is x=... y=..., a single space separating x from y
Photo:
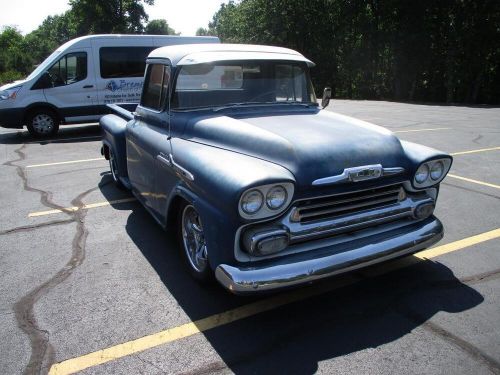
x=360 y=253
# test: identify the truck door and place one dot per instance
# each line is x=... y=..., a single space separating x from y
x=148 y=146
x=74 y=90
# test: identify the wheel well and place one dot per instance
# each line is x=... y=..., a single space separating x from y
x=34 y=108
x=105 y=151
x=173 y=210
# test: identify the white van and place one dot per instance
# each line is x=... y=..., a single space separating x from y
x=75 y=83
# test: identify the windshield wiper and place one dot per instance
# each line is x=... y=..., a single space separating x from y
x=244 y=104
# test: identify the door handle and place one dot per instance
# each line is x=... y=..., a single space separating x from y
x=164 y=159
x=88 y=86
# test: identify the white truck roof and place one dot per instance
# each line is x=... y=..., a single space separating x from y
x=202 y=53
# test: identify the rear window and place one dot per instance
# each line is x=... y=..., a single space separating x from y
x=118 y=62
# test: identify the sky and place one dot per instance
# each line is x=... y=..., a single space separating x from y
x=184 y=16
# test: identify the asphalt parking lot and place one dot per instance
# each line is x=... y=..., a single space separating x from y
x=90 y=283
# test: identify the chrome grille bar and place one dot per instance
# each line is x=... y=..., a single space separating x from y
x=349 y=203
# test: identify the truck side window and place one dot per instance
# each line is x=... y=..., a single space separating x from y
x=69 y=69
x=156 y=85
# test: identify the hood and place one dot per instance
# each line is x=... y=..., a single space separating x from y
x=12 y=84
x=311 y=145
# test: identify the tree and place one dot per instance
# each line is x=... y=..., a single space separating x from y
x=159 y=27
x=111 y=16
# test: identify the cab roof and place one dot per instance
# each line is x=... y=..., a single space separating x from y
x=190 y=54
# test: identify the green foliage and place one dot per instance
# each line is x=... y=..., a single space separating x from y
x=110 y=16
x=439 y=51
x=159 y=27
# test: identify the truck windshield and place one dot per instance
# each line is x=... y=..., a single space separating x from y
x=236 y=83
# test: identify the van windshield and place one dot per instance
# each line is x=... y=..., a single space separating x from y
x=44 y=65
x=227 y=83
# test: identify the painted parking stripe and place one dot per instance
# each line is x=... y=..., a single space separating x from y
x=84 y=207
x=473 y=181
x=100 y=357
x=63 y=162
x=475 y=151
x=96 y=137
x=420 y=130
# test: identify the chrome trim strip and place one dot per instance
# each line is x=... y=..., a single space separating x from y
x=362 y=173
x=283 y=273
x=180 y=169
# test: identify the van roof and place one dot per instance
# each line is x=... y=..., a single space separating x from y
x=188 y=54
x=175 y=38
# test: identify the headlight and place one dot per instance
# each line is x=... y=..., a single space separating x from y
x=422 y=174
x=251 y=202
x=9 y=93
x=431 y=172
x=437 y=170
x=277 y=198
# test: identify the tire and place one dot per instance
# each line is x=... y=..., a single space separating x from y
x=43 y=123
x=191 y=237
x=113 y=167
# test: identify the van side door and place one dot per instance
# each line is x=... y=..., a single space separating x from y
x=120 y=73
x=73 y=89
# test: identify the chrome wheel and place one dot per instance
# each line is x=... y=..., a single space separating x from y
x=43 y=124
x=193 y=239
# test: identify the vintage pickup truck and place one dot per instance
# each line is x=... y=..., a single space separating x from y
x=265 y=188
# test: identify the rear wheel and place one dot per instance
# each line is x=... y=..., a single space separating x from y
x=114 y=170
x=43 y=123
x=192 y=241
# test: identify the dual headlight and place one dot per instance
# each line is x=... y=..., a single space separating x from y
x=431 y=172
x=9 y=93
x=266 y=200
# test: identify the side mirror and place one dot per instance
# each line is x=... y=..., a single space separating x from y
x=44 y=82
x=327 y=94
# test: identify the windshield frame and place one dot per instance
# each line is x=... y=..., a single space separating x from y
x=310 y=94
x=44 y=65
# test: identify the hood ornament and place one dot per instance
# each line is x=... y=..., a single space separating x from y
x=362 y=173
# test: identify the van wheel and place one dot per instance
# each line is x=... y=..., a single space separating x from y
x=192 y=242
x=43 y=123
x=114 y=170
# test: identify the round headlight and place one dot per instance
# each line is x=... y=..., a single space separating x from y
x=252 y=202
x=437 y=170
x=422 y=174
x=276 y=197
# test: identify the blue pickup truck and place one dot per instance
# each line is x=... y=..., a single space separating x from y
x=264 y=188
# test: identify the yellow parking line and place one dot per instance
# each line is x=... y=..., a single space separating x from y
x=420 y=130
x=96 y=137
x=475 y=151
x=474 y=181
x=84 y=207
x=63 y=162
x=100 y=357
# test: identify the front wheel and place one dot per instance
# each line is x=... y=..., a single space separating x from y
x=43 y=123
x=192 y=242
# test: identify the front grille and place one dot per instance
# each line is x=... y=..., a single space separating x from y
x=347 y=204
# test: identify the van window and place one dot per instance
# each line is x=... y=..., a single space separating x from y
x=156 y=84
x=117 y=62
x=69 y=69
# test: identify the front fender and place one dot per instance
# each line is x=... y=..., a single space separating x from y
x=220 y=177
x=417 y=154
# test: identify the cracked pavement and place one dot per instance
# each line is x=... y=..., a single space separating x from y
x=81 y=281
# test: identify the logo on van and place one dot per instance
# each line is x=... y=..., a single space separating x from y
x=123 y=85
